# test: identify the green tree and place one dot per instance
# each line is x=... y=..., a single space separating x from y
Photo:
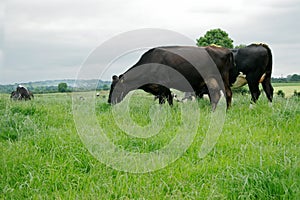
x=217 y=37
x=62 y=87
x=294 y=78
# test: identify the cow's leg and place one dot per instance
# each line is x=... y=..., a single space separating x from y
x=200 y=93
x=228 y=94
x=214 y=92
x=169 y=96
x=161 y=99
x=254 y=90
x=268 y=88
x=165 y=93
x=214 y=98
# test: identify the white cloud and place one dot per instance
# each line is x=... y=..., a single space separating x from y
x=52 y=38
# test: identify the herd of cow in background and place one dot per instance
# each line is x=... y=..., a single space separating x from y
x=196 y=71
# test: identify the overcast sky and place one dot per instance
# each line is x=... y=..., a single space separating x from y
x=50 y=39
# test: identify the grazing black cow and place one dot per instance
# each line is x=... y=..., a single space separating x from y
x=253 y=65
x=21 y=93
x=24 y=92
x=187 y=69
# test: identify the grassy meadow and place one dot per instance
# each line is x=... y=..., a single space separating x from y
x=287 y=88
x=257 y=156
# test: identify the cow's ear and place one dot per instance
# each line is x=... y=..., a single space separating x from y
x=115 y=77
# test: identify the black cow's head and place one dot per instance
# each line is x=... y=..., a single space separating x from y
x=117 y=89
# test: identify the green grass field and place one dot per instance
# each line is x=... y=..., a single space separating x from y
x=257 y=156
x=287 y=88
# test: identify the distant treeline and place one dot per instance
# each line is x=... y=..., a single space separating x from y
x=51 y=86
x=41 y=87
x=289 y=79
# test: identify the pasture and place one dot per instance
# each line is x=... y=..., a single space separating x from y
x=256 y=156
x=287 y=88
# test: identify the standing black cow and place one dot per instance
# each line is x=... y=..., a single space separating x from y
x=21 y=93
x=187 y=69
x=253 y=65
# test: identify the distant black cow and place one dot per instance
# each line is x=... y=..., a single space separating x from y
x=253 y=65
x=21 y=93
x=186 y=69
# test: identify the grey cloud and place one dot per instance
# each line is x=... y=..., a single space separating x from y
x=51 y=39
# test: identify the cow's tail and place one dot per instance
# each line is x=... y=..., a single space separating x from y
x=232 y=62
x=232 y=67
x=270 y=62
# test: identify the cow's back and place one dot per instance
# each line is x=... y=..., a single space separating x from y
x=182 y=59
x=251 y=58
x=222 y=57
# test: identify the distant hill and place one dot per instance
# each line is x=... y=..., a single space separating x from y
x=48 y=86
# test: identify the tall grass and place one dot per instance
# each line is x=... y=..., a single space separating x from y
x=256 y=156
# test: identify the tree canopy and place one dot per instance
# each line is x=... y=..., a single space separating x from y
x=294 y=78
x=62 y=87
x=217 y=37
